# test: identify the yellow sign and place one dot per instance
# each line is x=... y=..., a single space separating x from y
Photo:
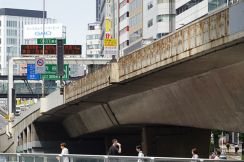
x=110 y=42
x=108 y=25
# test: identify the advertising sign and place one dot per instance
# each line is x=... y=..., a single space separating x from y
x=110 y=50
x=36 y=31
x=40 y=65
x=110 y=42
x=108 y=25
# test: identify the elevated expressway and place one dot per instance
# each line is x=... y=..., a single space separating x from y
x=192 y=78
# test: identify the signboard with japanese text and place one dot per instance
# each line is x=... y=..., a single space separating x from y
x=110 y=42
x=50 y=49
x=36 y=31
x=31 y=75
x=48 y=41
x=110 y=51
x=51 y=72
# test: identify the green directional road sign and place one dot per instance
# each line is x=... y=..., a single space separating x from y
x=51 y=72
x=48 y=41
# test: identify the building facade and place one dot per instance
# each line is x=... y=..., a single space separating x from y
x=12 y=23
x=93 y=41
x=106 y=16
x=149 y=21
x=191 y=10
x=158 y=18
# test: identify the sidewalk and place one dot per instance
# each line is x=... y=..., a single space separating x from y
x=231 y=155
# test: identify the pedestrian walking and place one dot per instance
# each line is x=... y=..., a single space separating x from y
x=217 y=155
x=140 y=153
x=64 y=151
x=194 y=152
x=228 y=147
x=115 y=148
x=236 y=148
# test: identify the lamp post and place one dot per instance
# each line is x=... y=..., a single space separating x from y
x=43 y=46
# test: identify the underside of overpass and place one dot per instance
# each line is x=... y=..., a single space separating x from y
x=156 y=140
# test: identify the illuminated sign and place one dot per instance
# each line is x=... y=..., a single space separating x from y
x=36 y=31
x=50 y=49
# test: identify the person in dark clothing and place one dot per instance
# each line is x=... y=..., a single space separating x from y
x=115 y=149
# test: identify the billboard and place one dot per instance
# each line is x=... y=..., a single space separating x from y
x=36 y=31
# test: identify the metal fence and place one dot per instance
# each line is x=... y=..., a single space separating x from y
x=94 y=158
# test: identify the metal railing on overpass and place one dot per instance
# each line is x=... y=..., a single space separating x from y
x=94 y=158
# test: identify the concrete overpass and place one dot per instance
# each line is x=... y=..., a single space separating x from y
x=169 y=92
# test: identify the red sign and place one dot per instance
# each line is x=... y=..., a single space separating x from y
x=49 y=49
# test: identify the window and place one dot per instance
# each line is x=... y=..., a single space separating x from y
x=125 y=29
x=163 y=18
x=124 y=16
x=90 y=37
x=163 y=1
x=135 y=4
x=150 y=5
x=150 y=23
x=124 y=44
x=91 y=27
x=187 y=6
x=135 y=20
x=215 y=4
x=159 y=35
x=123 y=3
x=11 y=32
x=12 y=24
x=136 y=35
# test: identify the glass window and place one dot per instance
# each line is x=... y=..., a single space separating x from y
x=163 y=1
x=150 y=23
x=163 y=18
x=187 y=6
x=150 y=5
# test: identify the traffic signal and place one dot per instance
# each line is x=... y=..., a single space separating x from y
x=61 y=90
x=60 y=57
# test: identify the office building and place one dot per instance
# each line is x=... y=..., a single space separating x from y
x=191 y=10
x=149 y=21
x=12 y=22
x=106 y=16
x=93 y=41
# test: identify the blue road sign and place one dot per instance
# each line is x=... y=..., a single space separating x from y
x=31 y=75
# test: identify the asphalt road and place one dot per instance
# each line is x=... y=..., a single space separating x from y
x=3 y=122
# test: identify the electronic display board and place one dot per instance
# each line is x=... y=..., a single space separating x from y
x=49 y=49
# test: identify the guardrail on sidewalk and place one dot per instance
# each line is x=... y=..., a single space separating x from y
x=94 y=158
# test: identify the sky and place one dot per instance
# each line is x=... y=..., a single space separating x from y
x=74 y=14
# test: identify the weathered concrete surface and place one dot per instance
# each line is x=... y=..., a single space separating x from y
x=193 y=93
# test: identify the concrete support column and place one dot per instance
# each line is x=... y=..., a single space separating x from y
x=146 y=141
x=179 y=141
x=34 y=136
x=28 y=138
x=20 y=142
x=25 y=140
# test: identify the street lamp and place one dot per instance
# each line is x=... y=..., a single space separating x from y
x=43 y=46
